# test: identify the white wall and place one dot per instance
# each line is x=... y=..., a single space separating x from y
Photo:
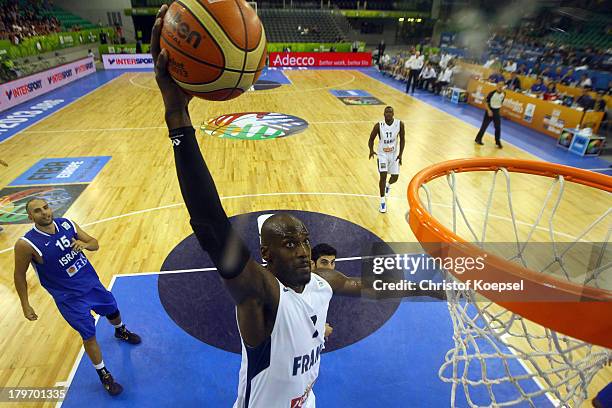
x=96 y=10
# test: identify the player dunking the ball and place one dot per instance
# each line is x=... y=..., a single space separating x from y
x=281 y=308
x=389 y=158
x=54 y=247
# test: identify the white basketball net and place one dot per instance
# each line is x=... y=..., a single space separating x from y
x=491 y=342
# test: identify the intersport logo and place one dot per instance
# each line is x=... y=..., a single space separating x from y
x=130 y=61
x=24 y=89
x=60 y=76
x=83 y=67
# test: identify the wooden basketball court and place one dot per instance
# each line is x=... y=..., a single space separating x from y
x=134 y=207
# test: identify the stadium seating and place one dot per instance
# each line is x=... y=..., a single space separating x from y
x=303 y=25
x=593 y=34
x=69 y=20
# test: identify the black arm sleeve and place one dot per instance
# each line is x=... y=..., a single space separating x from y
x=208 y=219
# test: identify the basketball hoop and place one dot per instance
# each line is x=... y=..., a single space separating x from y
x=572 y=343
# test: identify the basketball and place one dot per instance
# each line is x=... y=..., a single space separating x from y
x=216 y=49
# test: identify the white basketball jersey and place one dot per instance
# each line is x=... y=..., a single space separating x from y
x=388 y=137
x=281 y=372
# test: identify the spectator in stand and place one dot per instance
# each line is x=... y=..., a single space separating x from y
x=600 y=106
x=536 y=70
x=522 y=70
x=584 y=100
x=385 y=61
x=427 y=77
x=551 y=93
x=585 y=82
x=510 y=66
x=600 y=103
x=568 y=78
x=555 y=75
x=444 y=78
x=496 y=77
x=514 y=83
x=492 y=60
x=538 y=87
x=434 y=58
x=444 y=60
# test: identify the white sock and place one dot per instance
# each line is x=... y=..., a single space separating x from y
x=382 y=200
x=118 y=326
x=99 y=366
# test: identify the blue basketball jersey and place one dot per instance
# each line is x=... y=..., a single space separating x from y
x=64 y=272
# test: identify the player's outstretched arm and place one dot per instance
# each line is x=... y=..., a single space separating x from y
x=347 y=286
x=23 y=257
x=244 y=278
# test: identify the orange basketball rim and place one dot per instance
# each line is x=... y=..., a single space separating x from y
x=579 y=311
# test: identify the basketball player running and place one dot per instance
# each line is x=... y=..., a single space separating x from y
x=54 y=247
x=389 y=159
x=280 y=308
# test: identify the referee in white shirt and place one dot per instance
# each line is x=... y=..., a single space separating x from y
x=414 y=64
x=495 y=99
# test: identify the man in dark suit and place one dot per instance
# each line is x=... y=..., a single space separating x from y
x=514 y=83
x=584 y=100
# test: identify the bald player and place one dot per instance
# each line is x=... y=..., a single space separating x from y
x=280 y=308
x=54 y=247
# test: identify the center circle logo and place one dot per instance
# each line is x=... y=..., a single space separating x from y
x=254 y=125
x=200 y=305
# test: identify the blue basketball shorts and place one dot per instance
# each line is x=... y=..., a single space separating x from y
x=76 y=310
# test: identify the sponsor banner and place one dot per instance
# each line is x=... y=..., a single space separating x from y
x=63 y=170
x=127 y=61
x=23 y=89
x=254 y=125
x=320 y=59
x=14 y=199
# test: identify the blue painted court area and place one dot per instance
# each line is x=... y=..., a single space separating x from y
x=274 y=75
x=396 y=366
x=540 y=145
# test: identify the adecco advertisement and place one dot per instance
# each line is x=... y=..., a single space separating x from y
x=23 y=89
x=127 y=61
x=320 y=59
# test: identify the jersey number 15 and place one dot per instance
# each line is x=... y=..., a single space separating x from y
x=62 y=243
